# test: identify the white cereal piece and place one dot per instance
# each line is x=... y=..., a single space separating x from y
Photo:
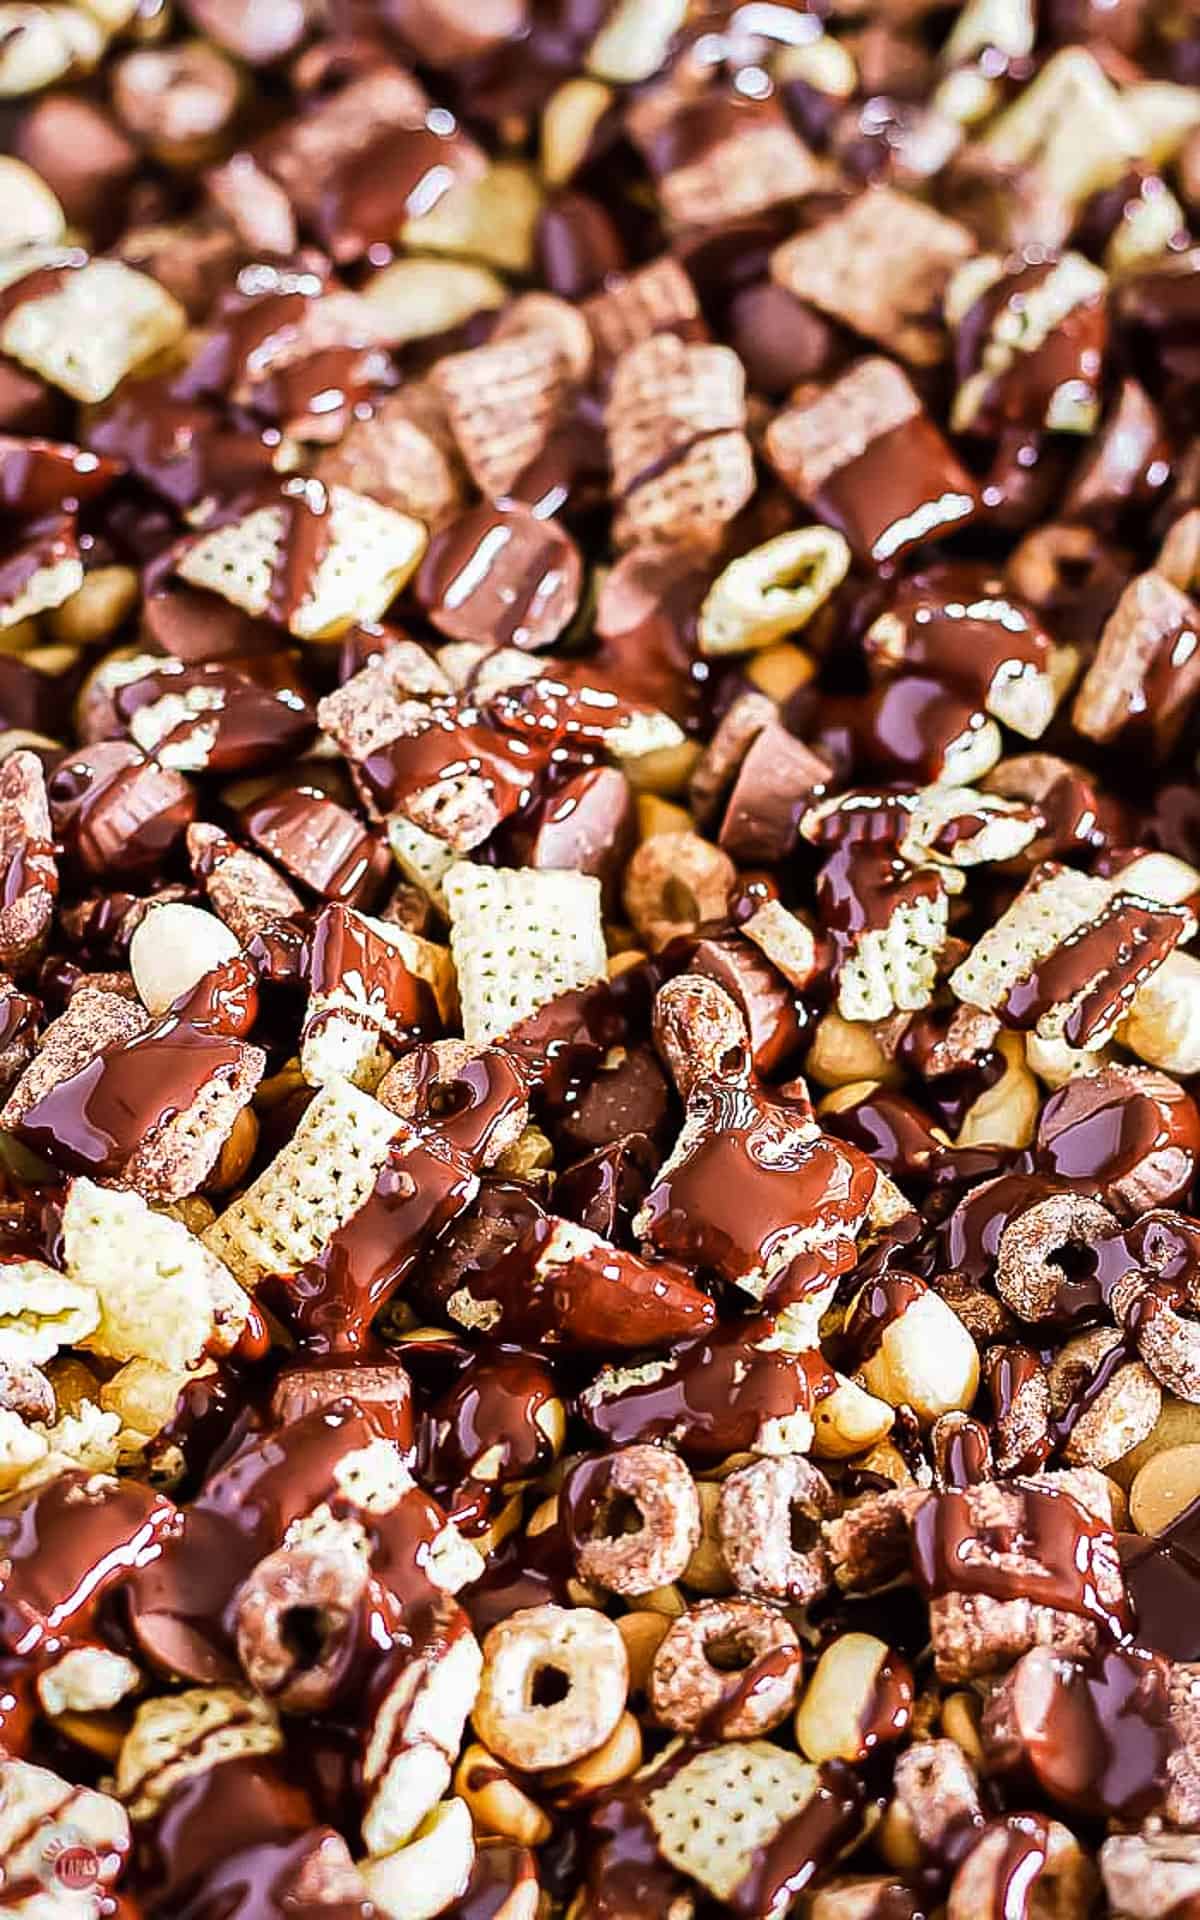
x=42 y=1311
x=1052 y=904
x=788 y=943
x=372 y=551
x=519 y=939
x=318 y=1180
x=103 y=321
x=715 y=1814
x=893 y=969
x=162 y=1295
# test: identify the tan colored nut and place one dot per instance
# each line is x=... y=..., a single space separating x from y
x=851 y=1688
x=428 y=1875
x=667 y=1602
x=652 y=1487
x=730 y=1666
x=673 y=884
x=1164 y=1487
x=1062 y=1887
x=496 y=1802
x=1028 y=1273
x=662 y=770
x=656 y=815
x=643 y=1633
x=1006 y=1113
x=1178 y=1425
x=30 y=215
x=925 y=1359
x=35 y=49
x=707 y=1570
x=634 y=40
x=961 y=1713
x=503 y=1523
x=1163 y=1024
x=103 y=603
x=769 y=1521
x=1121 y=1414
x=773 y=590
x=896 y=1838
x=616 y=1760
x=700 y=1031
x=320 y=1583
x=1179 y=556
x=849 y=1420
x=415 y=299
x=576 y=1657
x=235 y=1156
x=780 y=670
x=569 y=119
x=173 y=948
x=846 y=1051
x=492 y=219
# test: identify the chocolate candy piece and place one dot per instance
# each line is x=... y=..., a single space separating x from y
x=117 y=812
x=500 y=575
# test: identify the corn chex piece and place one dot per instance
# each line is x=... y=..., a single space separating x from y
x=1071 y=124
x=894 y=969
x=101 y=322
x=713 y=1816
x=41 y=1311
x=814 y=438
x=402 y=454
x=181 y=1735
x=243 y=889
x=880 y=267
x=424 y=858
x=1054 y=902
x=520 y=938
x=502 y=400
x=384 y=701
x=91 y=1021
x=759 y=162
x=787 y=941
x=658 y=298
x=370 y=553
x=681 y=463
x=1153 y=631
x=318 y=1180
x=162 y=1295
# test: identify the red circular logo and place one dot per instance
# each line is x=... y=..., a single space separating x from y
x=77 y=1868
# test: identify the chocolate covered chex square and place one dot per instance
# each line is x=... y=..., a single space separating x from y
x=717 y=156
x=350 y=566
x=402 y=454
x=1145 y=678
x=881 y=267
x=364 y=1001
x=312 y=1187
x=865 y=455
x=84 y=334
x=681 y=463
x=658 y=298
x=519 y=939
x=243 y=889
x=501 y=401
x=364 y=159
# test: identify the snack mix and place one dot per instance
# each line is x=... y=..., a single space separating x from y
x=599 y=960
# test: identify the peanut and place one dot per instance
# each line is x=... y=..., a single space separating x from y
x=1164 y=1487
